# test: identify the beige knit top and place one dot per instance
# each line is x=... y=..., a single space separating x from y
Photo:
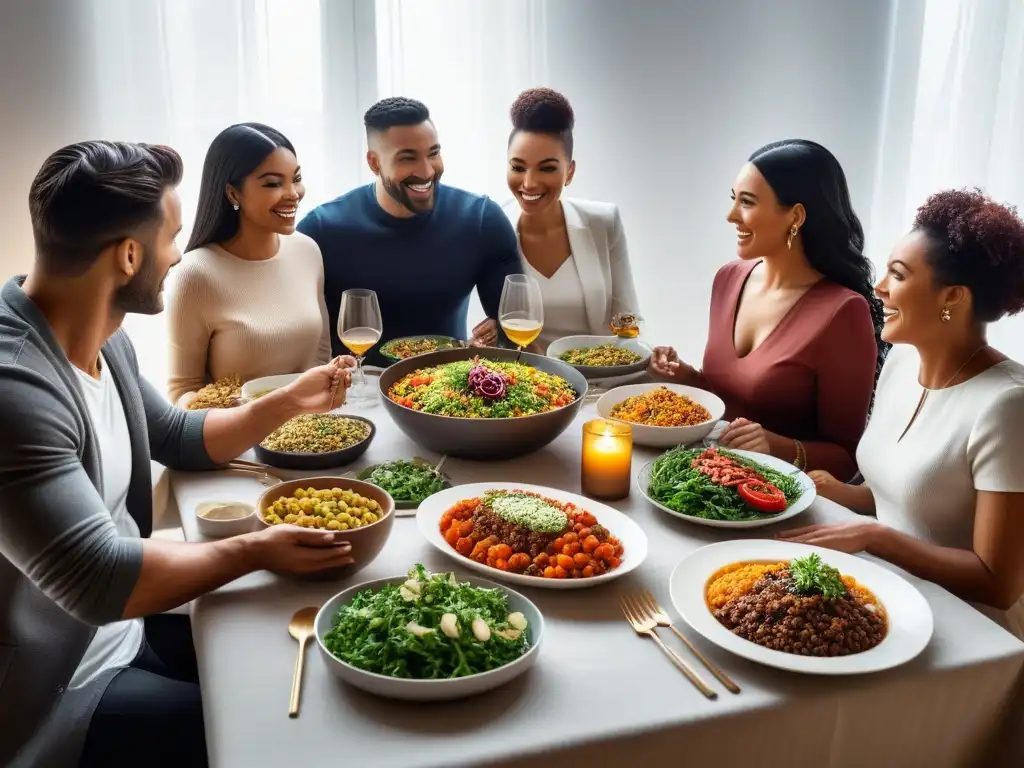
x=249 y=318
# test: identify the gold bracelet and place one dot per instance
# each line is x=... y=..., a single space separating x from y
x=801 y=455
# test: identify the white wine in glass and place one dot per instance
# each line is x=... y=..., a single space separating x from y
x=521 y=312
x=359 y=328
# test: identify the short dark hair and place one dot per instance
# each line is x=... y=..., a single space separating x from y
x=236 y=152
x=542 y=110
x=977 y=243
x=394 y=111
x=91 y=195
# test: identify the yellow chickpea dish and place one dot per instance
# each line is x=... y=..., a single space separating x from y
x=335 y=509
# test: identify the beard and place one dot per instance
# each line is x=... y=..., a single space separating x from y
x=399 y=192
x=141 y=296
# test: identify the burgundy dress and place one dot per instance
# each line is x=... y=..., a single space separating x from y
x=812 y=377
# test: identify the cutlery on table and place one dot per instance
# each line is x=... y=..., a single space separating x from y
x=301 y=628
x=645 y=599
x=644 y=625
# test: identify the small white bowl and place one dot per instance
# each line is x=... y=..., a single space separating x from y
x=266 y=384
x=429 y=690
x=222 y=528
x=665 y=437
x=560 y=346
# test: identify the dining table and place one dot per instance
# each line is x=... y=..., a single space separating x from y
x=599 y=694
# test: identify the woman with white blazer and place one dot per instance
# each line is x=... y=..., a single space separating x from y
x=575 y=249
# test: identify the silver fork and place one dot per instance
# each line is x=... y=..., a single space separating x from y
x=644 y=625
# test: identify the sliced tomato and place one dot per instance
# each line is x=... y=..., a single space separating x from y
x=762 y=496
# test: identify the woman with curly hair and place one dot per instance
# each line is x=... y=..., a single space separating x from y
x=793 y=340
x=575 y=249
x=942 y=455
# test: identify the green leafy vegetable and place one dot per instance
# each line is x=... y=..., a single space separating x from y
x=407 y=480
x=397 y=630
x=810 y=576
x=684 y=489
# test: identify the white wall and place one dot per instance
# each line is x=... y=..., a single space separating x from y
x=671 y=98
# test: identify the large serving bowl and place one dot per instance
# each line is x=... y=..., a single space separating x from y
x=429 y=690
x=559 y=347
x=483 y=439
x=366 y=542
x=664 y=437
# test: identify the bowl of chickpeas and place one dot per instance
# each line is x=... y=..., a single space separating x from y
x=363 y=513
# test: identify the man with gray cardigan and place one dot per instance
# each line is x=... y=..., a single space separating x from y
x=91 y=673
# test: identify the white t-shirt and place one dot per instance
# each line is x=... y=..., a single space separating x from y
x=967 y=438
x=565 y=313
x=116 y=644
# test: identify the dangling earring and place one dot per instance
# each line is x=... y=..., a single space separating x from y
x=235 y=206
x=792 y=233
x=946 y=315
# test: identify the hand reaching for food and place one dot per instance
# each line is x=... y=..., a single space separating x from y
x=665 y=363
x=485 y=334
x=745 y=435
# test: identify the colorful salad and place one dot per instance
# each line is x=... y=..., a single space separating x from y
x=482 y=389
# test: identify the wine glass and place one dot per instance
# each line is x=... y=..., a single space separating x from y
x=359 y=328
x=521 y=311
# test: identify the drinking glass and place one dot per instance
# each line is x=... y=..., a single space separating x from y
x=359 y=328
x=521 y=311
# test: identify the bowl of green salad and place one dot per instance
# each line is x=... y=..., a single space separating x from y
x=428 y=637
x=409 y=481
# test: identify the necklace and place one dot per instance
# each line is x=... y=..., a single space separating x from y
x=925 y=391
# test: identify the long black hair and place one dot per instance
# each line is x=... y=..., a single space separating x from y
x=801 y=171
x=236 y=152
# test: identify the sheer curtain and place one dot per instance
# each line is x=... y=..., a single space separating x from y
x=179 y=71
x=466 y=60
x=954 y=116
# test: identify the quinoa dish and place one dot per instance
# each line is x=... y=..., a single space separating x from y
x=605 y=355
x=223 y=393
x=401 y=349
x=526 y=533
x=482 y=389
x=803 y=607
x=661 y=407
x=317 y=433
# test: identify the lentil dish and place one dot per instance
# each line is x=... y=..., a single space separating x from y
x=334 y=509
x=400 y=349
x=316 y=433
x=223 y=393
x=603 y=355
x=661 y=407
x=526 y=533
x=482 y=389
x=803 y=606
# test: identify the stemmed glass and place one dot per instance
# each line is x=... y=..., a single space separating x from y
x=521 y=311
x=359 y=328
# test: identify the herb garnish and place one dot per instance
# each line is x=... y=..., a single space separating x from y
x=810 y=576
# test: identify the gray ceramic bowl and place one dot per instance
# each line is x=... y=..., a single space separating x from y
x=482 y=439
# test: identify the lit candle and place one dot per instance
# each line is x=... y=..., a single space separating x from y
x=607 y=459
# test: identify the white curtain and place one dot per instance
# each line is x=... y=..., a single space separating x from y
x=178 y=72
x=954 y=117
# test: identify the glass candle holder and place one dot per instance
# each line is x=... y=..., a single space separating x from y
x=607 y=459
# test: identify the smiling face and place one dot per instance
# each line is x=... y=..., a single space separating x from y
x=538 y=170
x=407 y=160
x=913 y=300
x=762 y=224
x=269 y=197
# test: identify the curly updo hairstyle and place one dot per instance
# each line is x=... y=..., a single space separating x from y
x=977 y=243
x=542 y=110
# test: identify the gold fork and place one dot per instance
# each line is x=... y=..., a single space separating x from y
x=644 y=625
x=647 y=601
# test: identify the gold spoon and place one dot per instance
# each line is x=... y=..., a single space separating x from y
x=301 y=628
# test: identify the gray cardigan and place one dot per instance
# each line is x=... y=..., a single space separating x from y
x=63 y=567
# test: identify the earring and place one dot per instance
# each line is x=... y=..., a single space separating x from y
x=235 y=206
x=792 y=233
x=946 y=315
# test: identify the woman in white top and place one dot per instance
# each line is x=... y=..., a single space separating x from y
x=943 y=454
x=575 y=249
x=247 y=300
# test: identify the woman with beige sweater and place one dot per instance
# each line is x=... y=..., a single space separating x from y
x=247 y=299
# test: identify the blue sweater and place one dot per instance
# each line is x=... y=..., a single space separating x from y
x=423 y=268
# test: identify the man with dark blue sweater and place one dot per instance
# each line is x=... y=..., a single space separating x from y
x=421 y=246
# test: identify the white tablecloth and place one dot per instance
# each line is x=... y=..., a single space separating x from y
x=599 y=693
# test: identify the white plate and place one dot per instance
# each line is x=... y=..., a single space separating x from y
x=910 y=617
x=429 y=690
x=601 y=372
x=807 y=498
x=267 y=383
x=664 y=437
x=634 y=540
